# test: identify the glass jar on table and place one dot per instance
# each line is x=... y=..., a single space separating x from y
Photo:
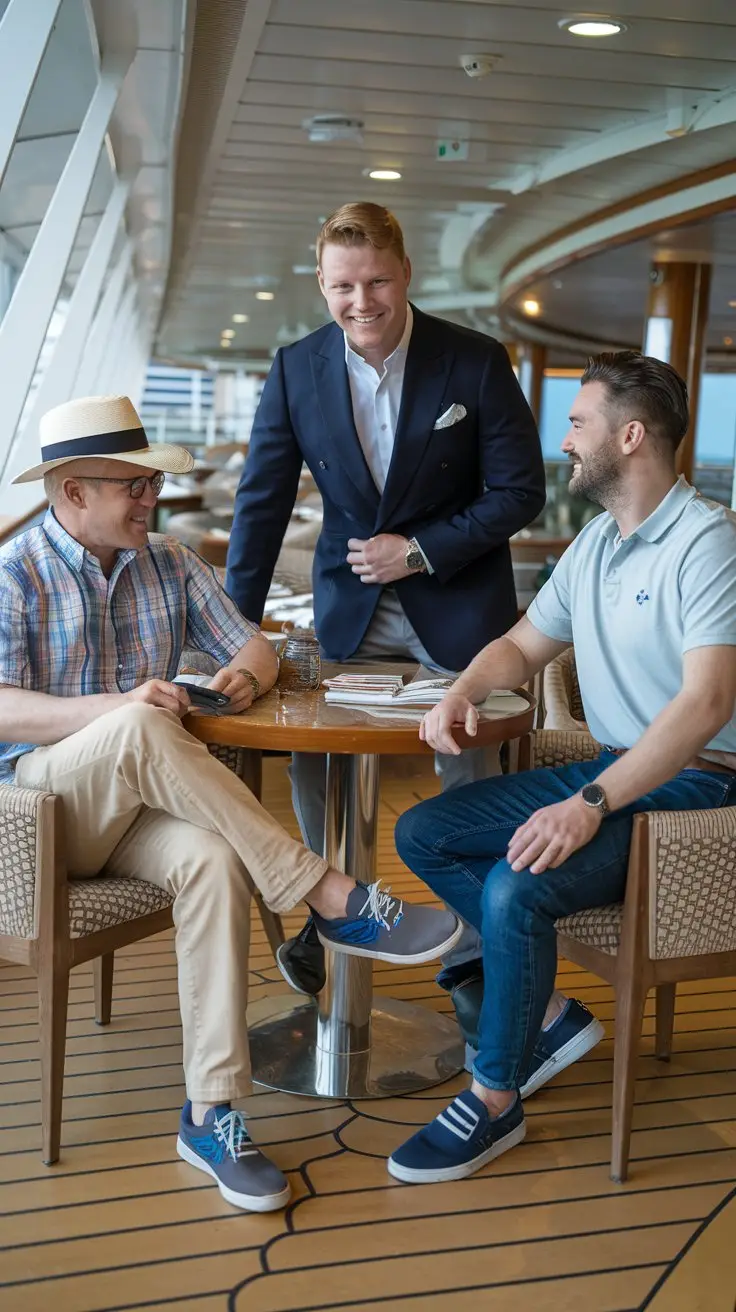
x=300 y=667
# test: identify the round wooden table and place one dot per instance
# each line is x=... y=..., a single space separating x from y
x=346 y=1043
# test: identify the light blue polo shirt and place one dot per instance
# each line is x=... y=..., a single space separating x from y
x=633 y=608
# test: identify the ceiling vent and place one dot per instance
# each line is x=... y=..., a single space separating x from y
x=334 y=127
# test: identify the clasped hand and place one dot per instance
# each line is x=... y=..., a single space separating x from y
x=379 y=560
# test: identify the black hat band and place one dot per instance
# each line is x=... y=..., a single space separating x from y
x=99 y=444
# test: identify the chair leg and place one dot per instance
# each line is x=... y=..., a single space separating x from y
x=103 y=972
x=665 y=1020
x=53 y=996
x=271 y=923
x=251 y=771
x=630 y=999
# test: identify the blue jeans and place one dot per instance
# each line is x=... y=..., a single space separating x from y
x=457 y=844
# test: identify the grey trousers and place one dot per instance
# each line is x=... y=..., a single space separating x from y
x=389 y=636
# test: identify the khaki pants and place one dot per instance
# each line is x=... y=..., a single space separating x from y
x=143 y=798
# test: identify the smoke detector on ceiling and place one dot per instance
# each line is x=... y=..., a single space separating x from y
x=334 y=127
x=477 y=65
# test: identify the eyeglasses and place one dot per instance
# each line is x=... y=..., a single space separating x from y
x=135 y=486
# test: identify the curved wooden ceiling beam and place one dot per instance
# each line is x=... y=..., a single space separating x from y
x=696 y=196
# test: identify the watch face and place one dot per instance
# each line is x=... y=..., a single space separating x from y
x=593 y=794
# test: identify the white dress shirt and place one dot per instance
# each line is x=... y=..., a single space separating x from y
x=376 y=402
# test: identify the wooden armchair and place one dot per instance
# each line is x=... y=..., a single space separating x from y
x=52 y=923
x=677 y=920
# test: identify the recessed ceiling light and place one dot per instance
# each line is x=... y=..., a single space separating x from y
x=384 y=175
x=225 y=343
x=240 y=318
x=732 y=305
x=591 y=25
x=228 y=332
x=264 y=296
x=531 y=307
x=728 y=341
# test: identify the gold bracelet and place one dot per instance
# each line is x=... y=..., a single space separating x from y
x=252 y=680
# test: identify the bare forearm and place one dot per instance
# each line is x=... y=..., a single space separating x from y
x=499 y=665
x=37 y=717
x=259 y=657
x=677 y=735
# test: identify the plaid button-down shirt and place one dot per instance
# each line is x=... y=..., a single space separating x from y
x=67 y=630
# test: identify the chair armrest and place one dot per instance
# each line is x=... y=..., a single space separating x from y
x=692 y=882
x=26 y=846
x=551 y=748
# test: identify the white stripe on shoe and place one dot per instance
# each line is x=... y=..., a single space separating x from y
x=415 y=1175
x=464 y=1118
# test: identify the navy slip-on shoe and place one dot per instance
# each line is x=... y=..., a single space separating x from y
x=458 y=1142
x=568 y=1038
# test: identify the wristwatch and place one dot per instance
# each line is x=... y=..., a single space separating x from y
x=594 y=797
x=414 y=559
x=252 y=680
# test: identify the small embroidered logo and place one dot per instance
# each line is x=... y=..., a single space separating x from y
x=641 y=597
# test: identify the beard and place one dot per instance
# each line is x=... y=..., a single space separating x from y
x=598 y=477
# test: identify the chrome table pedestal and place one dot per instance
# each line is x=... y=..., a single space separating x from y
x=346 y=1043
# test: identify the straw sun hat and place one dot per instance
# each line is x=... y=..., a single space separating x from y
x=101 y=426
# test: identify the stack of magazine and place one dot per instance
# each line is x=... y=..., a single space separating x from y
x=390 y=690
x=384 y=690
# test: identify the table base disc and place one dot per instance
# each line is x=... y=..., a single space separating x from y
x=411 y=1048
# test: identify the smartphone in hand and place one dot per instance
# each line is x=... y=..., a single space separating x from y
x=206 y=699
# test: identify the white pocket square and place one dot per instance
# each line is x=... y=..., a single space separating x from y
x=451 y=416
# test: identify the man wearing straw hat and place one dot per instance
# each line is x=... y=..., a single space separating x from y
x=94 y=615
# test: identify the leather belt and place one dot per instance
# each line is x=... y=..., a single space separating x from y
x=697 y=763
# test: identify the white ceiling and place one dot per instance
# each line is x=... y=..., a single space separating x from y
x=589 y=116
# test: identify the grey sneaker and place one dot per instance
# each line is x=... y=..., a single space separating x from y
x=223 y=1149
x=383 y=927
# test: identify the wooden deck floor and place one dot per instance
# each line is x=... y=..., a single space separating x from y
x=120 y=1222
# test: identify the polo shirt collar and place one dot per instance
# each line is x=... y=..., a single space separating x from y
x=72 y=551
x=402 y=348
x=661 y=520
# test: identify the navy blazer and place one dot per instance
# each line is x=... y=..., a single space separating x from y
x=461 y=491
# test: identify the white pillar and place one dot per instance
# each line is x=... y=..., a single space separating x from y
x=24 y=326
x=195 y=414
x=24 y=32
x=136 y=372
x=102 y=327
x=58 y=380
x=112 y=362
